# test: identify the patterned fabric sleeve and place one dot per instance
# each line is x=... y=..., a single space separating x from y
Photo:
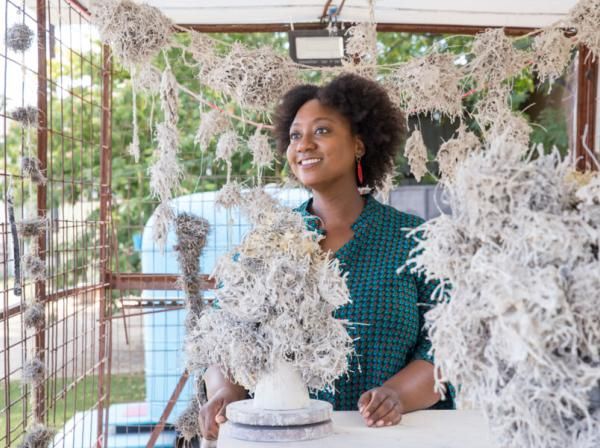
x=423 y=348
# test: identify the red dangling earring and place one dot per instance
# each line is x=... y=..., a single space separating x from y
x=359 y=171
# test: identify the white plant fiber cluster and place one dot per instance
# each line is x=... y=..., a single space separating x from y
x=136 y=32
x=416 y=153
x=495 y=59
x=212 y=123
x=166 y=171
x=255 y=78
x=361 y=43
x=427 y=84
x=551 y=54
x=585 y=17
x=518 y=329
x=455 y=150
x=276 y=301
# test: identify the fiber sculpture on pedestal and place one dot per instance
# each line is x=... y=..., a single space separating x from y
x=518 y=329
x=272 y=329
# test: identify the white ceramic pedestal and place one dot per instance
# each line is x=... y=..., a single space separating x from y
x=246 y=422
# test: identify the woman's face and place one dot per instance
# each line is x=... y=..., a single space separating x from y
x=322 y=149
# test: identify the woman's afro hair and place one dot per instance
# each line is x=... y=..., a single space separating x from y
x=371 y=114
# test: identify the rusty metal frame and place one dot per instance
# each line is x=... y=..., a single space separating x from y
x=587 y=103
x=42 y=154
x=105 y=207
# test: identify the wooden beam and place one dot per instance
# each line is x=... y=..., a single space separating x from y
x=383 y=27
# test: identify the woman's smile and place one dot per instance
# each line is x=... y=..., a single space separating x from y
x=309 y=162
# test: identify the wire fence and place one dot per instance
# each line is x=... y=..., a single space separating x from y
x=52 y=313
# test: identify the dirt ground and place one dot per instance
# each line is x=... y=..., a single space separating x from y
x=73 y=336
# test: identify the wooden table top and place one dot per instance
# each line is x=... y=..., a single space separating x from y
x=422 y=429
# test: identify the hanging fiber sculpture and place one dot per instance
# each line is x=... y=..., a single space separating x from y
x=19 y=37
x=212 y=123
x=147 y=79
x=551 y=54
x=427 y=84
x=383 y=192
x=416 y=153
x=454 y=151
x=229 y=196
x=34 y=372
x=169 y=98
x=37 y=436
x=34 y=316
x=202 y=49
x=255 y=78
x=163 y=217
x=34 y=268
x=261 y=150
x=584 y=17
x=32 y=227
x=30 y=168
x=191 y=232
x=27 y=116
x=136 y=32
x=276 y=301
x=361 y=42
x=227 y=146
x=518 y=329
x=187 y=422
x=166 y=172
x=495 y=59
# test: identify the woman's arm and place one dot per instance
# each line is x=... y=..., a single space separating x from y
x=220 y=392
x=411 y=389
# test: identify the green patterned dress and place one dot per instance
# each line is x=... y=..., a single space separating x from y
x=388 y=307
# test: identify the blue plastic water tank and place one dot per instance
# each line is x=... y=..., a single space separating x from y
x=164 y=330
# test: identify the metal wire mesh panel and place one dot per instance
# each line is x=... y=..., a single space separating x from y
x=52 y=353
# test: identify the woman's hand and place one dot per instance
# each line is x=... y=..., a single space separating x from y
x=212 y=414
x=381 y=406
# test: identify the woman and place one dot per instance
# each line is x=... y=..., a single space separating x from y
x=336 y=138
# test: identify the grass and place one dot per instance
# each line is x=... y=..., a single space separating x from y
x=70 y=398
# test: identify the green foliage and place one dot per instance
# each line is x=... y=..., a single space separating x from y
x=551 y=130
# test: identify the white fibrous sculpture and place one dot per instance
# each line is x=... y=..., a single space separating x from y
x=519 y=271
x=166 y=171
x=416 y=153
x=262 y=153
x=495 y=59
x=191 y=232
x=551 y=54
x=494 y=115
x=584 y=17
x=19 y=37
x=382 y=193
x=255 y=78
x=278 y=291
x=427 y=84
x=136 y=32
x=212 y=123
x=227 y=146
x=229 y=196
x=361 y=43
x=455 y=150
